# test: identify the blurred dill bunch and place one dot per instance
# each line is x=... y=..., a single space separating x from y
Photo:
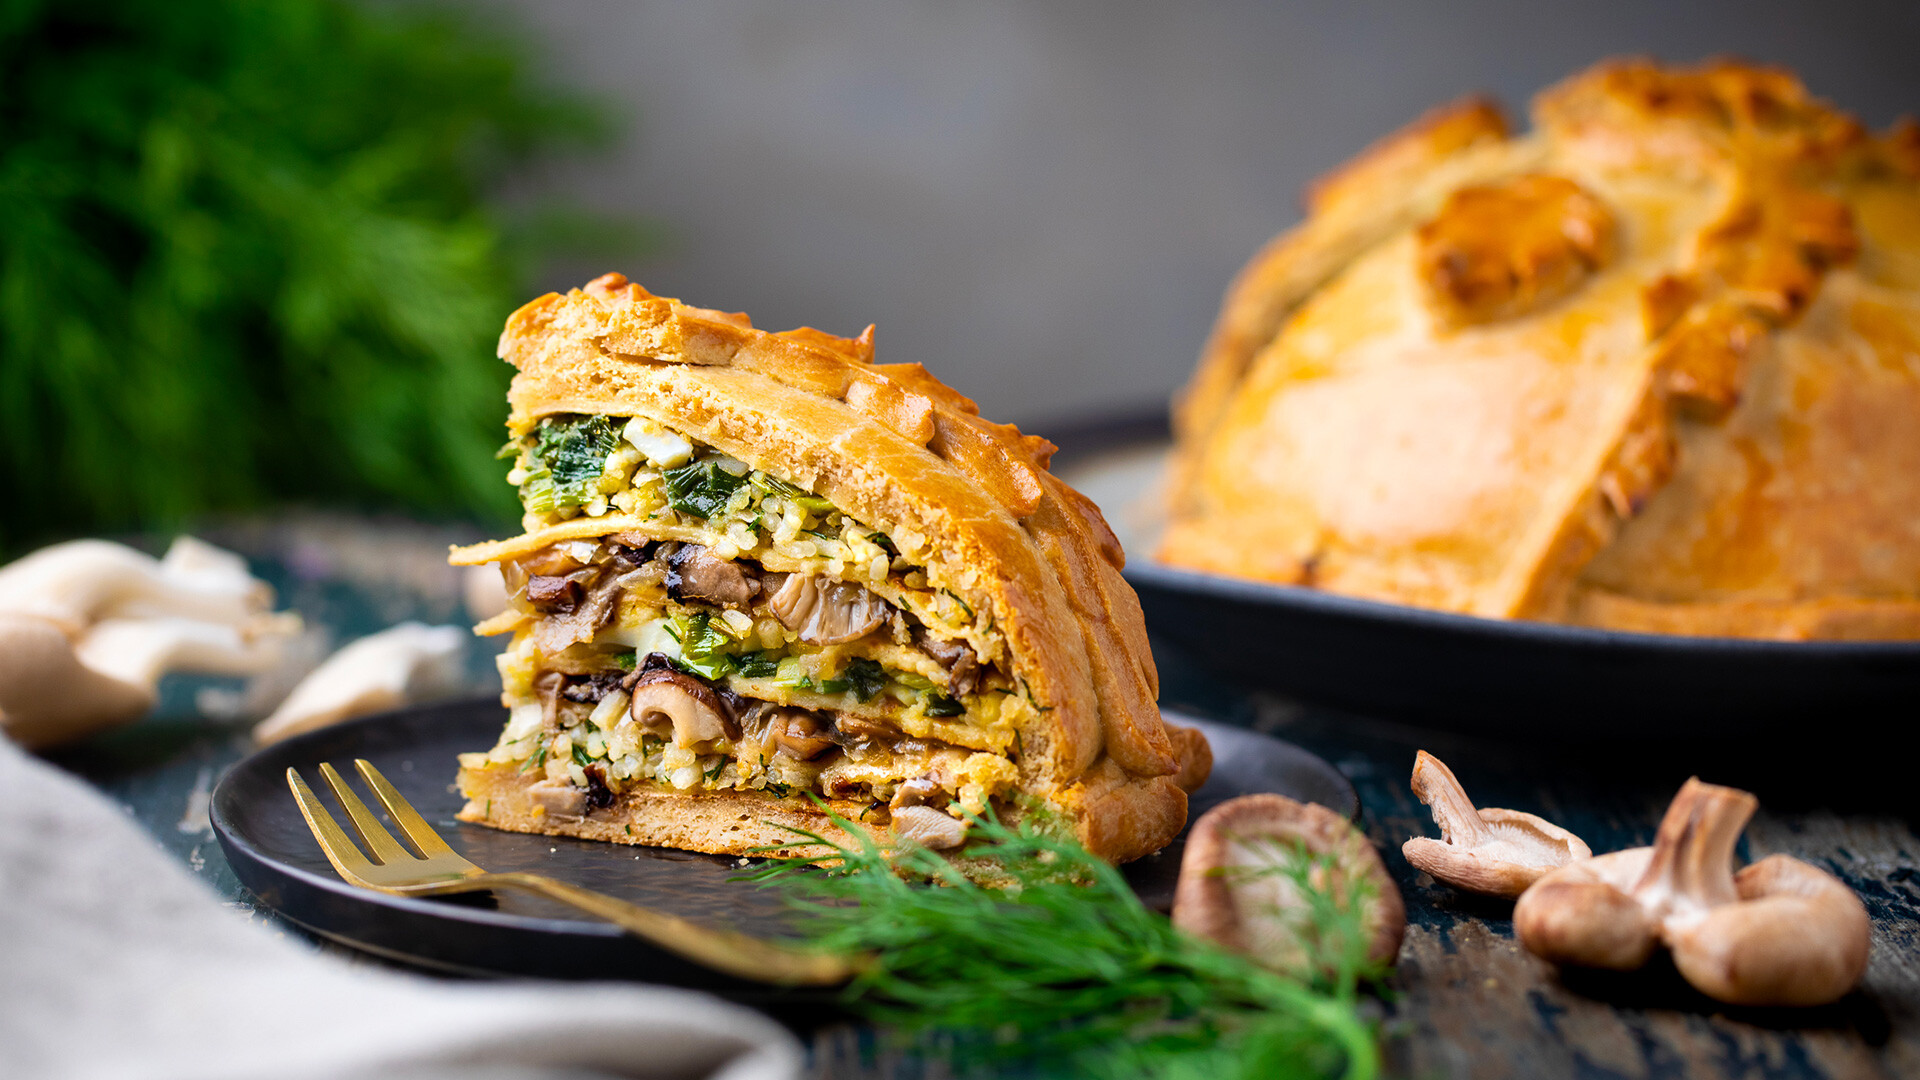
x=247 y=256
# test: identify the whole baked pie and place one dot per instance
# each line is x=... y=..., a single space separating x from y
x=762 y=580
x=1654 y=365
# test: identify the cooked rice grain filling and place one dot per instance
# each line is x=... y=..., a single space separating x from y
x=631 y=468
x=749 y=636
x=674 y=656
x=595 y=737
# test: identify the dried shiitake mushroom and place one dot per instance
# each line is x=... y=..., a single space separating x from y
x=1495 y=852
x=1780 y=932
x=1234 y=889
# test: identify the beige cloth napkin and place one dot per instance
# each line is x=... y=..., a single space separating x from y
x=115 y=963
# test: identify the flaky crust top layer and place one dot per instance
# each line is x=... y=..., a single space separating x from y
x=894 y=447
x=1481 y=358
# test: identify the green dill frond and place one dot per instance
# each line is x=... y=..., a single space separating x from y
x=1062 y=967
x=247 y=256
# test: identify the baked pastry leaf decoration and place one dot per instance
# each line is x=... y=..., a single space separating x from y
x=1503 y=249
x=1646 y=366
x=762 y=578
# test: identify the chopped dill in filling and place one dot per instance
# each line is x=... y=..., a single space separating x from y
x=735 y=631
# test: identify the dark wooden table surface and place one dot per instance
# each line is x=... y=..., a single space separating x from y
x=1465 y=1001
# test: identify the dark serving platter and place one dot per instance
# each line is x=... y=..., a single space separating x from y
x=1460 y=672
x=275 y=856
x=1509 y=677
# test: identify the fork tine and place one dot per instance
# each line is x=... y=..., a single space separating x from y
x=340 y=851
x=384 y=847
x=404 y=815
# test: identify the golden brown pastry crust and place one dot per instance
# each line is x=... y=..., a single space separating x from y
x=893 y=447
x=1691 y=425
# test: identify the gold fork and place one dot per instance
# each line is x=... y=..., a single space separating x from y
x=437 y=870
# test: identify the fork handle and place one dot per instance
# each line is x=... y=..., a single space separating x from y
x=726 y=951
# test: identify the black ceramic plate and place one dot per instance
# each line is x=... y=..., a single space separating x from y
x=1527 y=679
x=276 y=857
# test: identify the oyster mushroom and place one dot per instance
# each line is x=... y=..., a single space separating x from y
x=919 y=791
x=826 y=612
x=1495 y=852
x=961 y=662
x=694 y=573
x=82 y=582
x=408 y=662
x=1234 y=889
x=1780 y=932
x=929 y=827
x=664 y=698
x=799 y=733
x=558 y=799
x=88 y=627
x=47 y=695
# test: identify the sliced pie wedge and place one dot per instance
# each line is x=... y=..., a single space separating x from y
x=762 y=578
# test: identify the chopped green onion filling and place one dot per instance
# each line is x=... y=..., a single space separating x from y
x=701 y=488
x=703 y=648
x=565 y=462
x=757 y=665
x=939 y=704
x=862 y=676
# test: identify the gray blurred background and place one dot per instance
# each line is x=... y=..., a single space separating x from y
x=1042 y=202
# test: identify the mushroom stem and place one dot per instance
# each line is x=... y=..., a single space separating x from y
x=1781 y=932
x=1799 y=936
x=1436 y=786
x=1691 y=870
x=1494 y=852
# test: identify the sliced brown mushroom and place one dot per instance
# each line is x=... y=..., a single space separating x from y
x=799 y=733
x=919 y=791
x=559 y=799
x=1235 y=888
x=1195 y=755
x=961 y=662
x=663 y=699
x=853 y=730
x=931 y=828
x=548 y=592
x=824 y=612
x=1494 y=852
x=694 y=573
x=1780 y=932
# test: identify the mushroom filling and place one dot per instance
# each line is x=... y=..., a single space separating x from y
x=642 y=476
x=734 y=631
x=790 y=637
x=593 y=737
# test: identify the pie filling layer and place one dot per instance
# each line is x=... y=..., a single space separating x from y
x=739 y=632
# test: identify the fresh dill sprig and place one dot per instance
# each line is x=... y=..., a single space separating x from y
x=249 y=255
x=1060 y=966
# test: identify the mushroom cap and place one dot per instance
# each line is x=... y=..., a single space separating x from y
x=1493 y=851
x=1582 y=914
x=801 y=733
x=1229 y=895
x=824 y=612
x=697 y=714
x=380 y=671
x=927 y=826
x=80 y=582
x=1521 y=848
x=48 y=696
x=1779 y=933
x=1797 y=936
